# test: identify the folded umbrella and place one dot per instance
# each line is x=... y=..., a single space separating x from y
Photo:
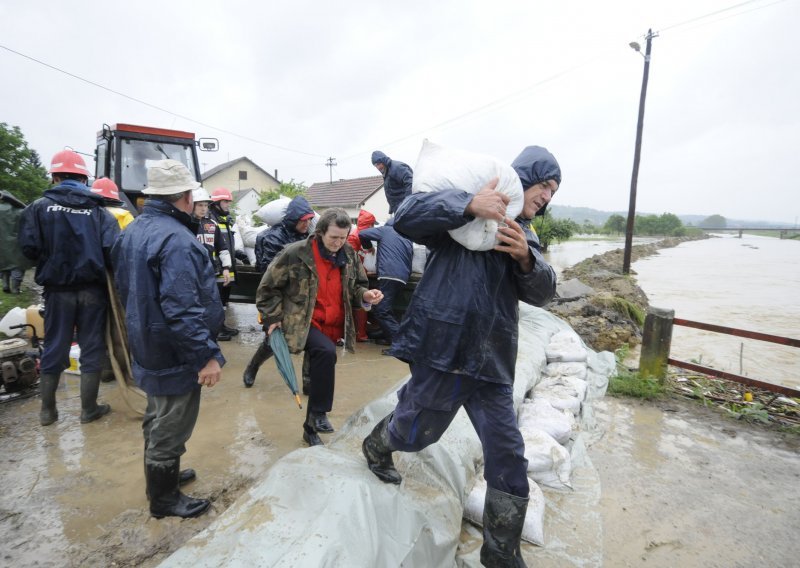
x=283 y=359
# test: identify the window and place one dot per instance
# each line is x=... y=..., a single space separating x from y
x=242 y=175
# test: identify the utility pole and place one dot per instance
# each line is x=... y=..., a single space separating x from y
x=626 y=263
x=330 y=162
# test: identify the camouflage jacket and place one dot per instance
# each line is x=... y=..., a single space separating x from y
x=288 y=292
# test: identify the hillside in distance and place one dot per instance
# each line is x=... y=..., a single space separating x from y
x=596 y=217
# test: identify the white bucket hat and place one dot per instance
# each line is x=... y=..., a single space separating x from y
x=168 y=177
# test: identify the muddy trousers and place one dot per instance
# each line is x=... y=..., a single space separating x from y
x=429 y=401
x=168 y=424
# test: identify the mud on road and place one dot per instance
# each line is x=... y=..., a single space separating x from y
x=681 y=485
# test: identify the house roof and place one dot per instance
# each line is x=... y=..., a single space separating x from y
x=343 y=193
x=227 y=165
x=238 y=194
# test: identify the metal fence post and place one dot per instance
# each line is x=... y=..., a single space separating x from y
x=656 y=342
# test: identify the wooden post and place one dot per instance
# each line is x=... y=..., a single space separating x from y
x=656 y=343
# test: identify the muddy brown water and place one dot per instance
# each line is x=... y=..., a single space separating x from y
x=680 y=486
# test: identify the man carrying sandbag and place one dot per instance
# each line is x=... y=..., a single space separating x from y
x=459 y=336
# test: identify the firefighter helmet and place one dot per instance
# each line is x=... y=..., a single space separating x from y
x=106 y=188
x=200 y=194
x=68 y=162
x=221 y=194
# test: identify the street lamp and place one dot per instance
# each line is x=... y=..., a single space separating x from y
x=626 y=262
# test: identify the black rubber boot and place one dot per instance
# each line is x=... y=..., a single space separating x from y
x=321 y=422
x=262 y=354
x=90 y=410
x=232 y=331
x=6 y=282
x=306 y=374
x=378 y=450
x=310 y=435
x=47 y=390
x=16 y=285
x=185 y=476
x=503 y=518
x=166 y=500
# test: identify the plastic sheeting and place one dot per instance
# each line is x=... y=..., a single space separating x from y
x=321 y=506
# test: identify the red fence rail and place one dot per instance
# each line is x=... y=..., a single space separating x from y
x=788 y=391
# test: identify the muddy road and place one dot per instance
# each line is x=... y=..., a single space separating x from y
x=680 y=485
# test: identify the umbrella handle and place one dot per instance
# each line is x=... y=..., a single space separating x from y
x=297 y=400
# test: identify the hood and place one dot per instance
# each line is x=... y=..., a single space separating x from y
x=365 y=220
x=297 y=208
x=72 y=193
x=379 y=157
x=535 y=164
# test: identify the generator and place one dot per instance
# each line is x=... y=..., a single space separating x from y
x=18 y=368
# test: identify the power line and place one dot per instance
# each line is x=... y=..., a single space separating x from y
x=162 y=109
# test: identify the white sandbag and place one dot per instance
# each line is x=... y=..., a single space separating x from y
x=439 y=168
x=575 y=369
x=273 y=212
x=538 y=414
x=248 y=232
x=371 y=261
x=549 y=462
x=597 y=385
x=532 y=530
x=566 y=346
x=419 y=258
x=251 y=255
x=561 y=394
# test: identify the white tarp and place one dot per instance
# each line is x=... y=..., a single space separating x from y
x=321 y=506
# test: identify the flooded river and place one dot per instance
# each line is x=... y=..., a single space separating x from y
x=751 y=283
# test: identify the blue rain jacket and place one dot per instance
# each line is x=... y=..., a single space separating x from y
x=397 y=179
x=271 y=241
x=394 y=251
x=173 y=310
x=464 y=314
x=69 y=233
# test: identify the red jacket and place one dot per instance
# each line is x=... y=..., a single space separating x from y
x=365 y=221
x=328 y=315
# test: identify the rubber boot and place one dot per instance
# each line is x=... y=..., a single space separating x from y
x=262 y=354
x=503 y=518
x=361 y=325
x=378 y=450
x=185 y=476
x=6 y=275
x=90 y=410
x=310 y=435
x=321 y=422
x=231 y=331
x=16 y=285
x=306 y=374
x=47 y=390
x=166 y=500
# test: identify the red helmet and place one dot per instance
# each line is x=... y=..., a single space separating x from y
x=221 y=194
x=68 y=162
x=106 y=188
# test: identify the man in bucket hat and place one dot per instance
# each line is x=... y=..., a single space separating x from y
x=166 y=284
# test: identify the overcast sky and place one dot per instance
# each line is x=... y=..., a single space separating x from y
x=289 y=84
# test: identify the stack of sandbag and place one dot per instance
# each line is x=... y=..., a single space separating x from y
x=439 y=168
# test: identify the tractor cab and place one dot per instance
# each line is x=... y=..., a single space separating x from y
x=125 y=151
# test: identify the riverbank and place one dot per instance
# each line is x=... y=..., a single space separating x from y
x=604 y=306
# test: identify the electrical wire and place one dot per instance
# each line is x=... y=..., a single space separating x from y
x=162 y=109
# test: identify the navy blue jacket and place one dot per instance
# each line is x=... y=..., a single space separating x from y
x=173 y=310
x=69 y=233
x=394 y=251
x=464 y=314
x=271 y=241
x=397 y=179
